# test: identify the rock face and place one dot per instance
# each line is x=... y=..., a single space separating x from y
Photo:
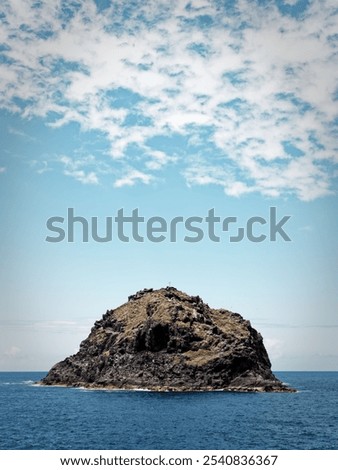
x=167 y=340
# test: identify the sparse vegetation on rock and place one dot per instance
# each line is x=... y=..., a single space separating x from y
x=167 y=340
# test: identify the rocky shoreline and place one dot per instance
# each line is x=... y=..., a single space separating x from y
x=165 y=340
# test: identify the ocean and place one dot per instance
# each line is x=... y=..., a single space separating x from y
x=35 y=417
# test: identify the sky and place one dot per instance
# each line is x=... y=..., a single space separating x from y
x=174 y=108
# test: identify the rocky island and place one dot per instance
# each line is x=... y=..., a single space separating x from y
x=166 y=340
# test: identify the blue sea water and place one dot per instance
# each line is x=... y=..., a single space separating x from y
x=34 y=417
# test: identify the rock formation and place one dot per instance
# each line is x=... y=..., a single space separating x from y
x=167 y=340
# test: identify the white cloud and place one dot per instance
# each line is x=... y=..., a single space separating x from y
x=74 y=169
x=237 y=188
x=275 y=347
x=290 y=2
x=2 y=169
x=306 y=228
x=12 y=352
x=20 y=133
x=158 y=159
x=201 y=174
x=255 y=88
x=55 y=324
x=40 y=166
x=84 y=178
x=132 y=177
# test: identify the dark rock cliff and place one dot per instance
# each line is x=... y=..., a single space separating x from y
x=167 y=340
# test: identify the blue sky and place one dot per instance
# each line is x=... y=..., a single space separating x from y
x=174 y=108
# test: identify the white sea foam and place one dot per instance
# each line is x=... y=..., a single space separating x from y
x=12 y=383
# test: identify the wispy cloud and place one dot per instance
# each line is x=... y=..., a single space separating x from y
x=80 y=175
x=158 y=159
x=2 y=169
x=19 y=133
x=50 y=325
x=12 y=352
x=54 y=324
x=291 y=2
x=74 y=168
x=40 y=166
x=132 y=177
x=275 y=347
x=244 y=82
